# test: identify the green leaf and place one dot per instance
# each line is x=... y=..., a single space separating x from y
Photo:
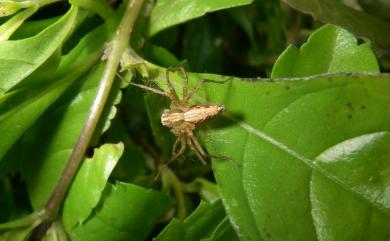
x=274 y=131
x=31 y=28
x=207 y=190
x=19 y=109
x=165 y=14
x=362 y=163
x=20 y=229
x=203 y=220
x=20 y=234
x=126 y=212
x=9 y=7
x=31 y=219
x=132 y=164
x=19 y=58
x=90 y=181
x=202 y=223
x=55 y=233
x=335 y=12
x=9 y=27
x=273 y=181
x=223 y=232
x=101 y=7
x=329 y=49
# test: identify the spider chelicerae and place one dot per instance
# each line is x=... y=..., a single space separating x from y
x=182 y=118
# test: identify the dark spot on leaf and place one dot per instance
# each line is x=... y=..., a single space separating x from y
x=330 y=79
x=267 y=93
x=349 y=104
x=363 y=107
x=349 y=116
x=287 y=87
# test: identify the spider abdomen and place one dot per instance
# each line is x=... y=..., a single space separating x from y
x=199 y=113
x=195 y=114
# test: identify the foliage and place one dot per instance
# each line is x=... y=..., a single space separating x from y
x=301 y=152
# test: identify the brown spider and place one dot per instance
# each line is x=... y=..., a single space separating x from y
x=182 y=118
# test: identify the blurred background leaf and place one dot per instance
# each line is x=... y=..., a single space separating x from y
x=165 y=14
x=359 y=23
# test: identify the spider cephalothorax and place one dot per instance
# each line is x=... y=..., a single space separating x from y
x=182 y=117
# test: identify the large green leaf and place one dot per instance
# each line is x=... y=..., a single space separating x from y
x=363 y=164
x=277 y=129
x=126 y=212
x=19 y=58
x=166 y=14
x=358 y=22
x=274 y=130
x=89 y=184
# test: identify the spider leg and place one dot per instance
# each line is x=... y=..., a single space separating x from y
x=183 y=144
x=193 y=91
x=197 y=148
x=157 y=91
x=198 y=145
x=173 y=95
x=185 y=83
x=174 y=147
x=199 y=84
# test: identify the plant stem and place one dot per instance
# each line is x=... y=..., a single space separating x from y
x=119 y=43
x=170 y=180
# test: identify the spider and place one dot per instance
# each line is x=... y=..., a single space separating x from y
x=182 y=118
